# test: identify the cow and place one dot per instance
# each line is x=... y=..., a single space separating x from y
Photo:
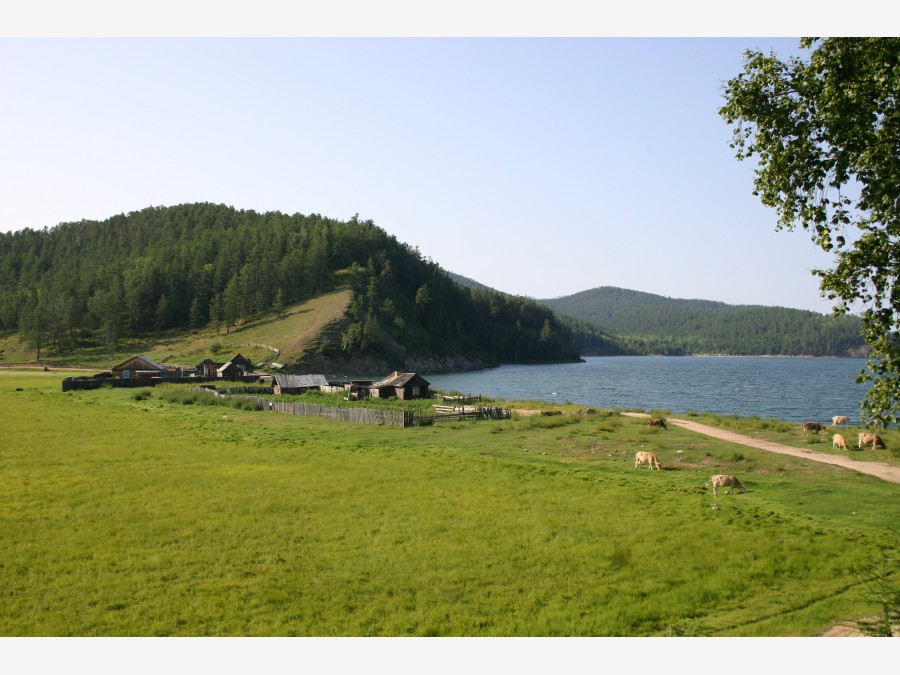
x=840 y=419
x=725 y=481
x=812 y=426
x=838 y=442
x=874 y=439
x=654 y=422
x=648 y=457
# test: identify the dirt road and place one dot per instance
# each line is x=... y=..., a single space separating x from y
x=878 y=469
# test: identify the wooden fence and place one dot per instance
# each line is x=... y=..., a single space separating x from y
x=80 y=383
x=443 y=414
x=379 y=416
x=245 y=390
x=394 y=418
x=460 y=400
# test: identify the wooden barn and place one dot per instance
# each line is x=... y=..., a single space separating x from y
x=402 y=385
x=138 y=366
x=297 y=384
x=239 y=366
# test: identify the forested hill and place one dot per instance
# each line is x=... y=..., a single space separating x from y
x=207 y=265
x=648 y=323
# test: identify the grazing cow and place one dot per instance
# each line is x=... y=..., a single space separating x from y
x=812 y=426
x=838 y=442
x=840 y=419
x=658 y=423
x=648 y=457
x=725 y=481
x=874 y=439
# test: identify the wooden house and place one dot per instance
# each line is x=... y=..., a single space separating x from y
x=208 y=368
x=402 y=385
x=239 y=366
x=297 y=384
x=138 y=366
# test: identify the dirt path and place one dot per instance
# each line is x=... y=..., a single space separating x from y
x=878 y=469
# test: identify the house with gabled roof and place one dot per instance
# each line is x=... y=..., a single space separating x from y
x=238 y=366
x=402 y=385
x=208 y=368
x=138 y=366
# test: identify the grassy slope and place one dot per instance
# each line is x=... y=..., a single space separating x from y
x=139 y=517
x=297 y=329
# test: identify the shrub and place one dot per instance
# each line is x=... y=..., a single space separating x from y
x=187 y=397
x=241 y=403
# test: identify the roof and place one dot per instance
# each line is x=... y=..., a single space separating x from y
x=300 y=381
x=396 y=379
x=226 y=366
x=153 y=364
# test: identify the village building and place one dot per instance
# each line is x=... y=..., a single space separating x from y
x=208 y=368
x=297 y=384
x=356 y=389
x=239 y=366
x=138 y=366
x=402 y=385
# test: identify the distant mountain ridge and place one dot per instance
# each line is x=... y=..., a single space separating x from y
x=647 y=323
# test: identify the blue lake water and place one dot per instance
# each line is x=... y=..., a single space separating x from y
x=789 y=389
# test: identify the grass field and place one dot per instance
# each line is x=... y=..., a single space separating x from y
x=126 y=515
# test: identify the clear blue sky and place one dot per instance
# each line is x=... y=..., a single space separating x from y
x=538 y=166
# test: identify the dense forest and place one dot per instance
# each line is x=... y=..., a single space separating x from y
x=199 y=265
x=643 y=323
x=205 y=265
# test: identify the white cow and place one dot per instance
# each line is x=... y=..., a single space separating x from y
x=838 y=442
x=840 y=419
x=725 y=481
x=648 y=457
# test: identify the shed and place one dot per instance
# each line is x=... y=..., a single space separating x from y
x=137 y=366
x=357 y=389
x=297 y=384
x=402 y=385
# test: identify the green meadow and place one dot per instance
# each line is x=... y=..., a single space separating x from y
x=127 y=514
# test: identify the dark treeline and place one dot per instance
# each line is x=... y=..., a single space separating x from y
x=198 y=265
x=643 y=323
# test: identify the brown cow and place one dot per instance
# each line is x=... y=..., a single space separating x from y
x=874 y=439
x=840 y=419
x=812 y=426
x=654 y=422
x=838 y=442
x=648 y=457
x=725 y=481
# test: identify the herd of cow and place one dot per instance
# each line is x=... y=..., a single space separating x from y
x=838 y=442
x=717 y=481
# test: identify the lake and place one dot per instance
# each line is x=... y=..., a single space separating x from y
x=784 y=388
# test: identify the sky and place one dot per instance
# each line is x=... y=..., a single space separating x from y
x=539 y=164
